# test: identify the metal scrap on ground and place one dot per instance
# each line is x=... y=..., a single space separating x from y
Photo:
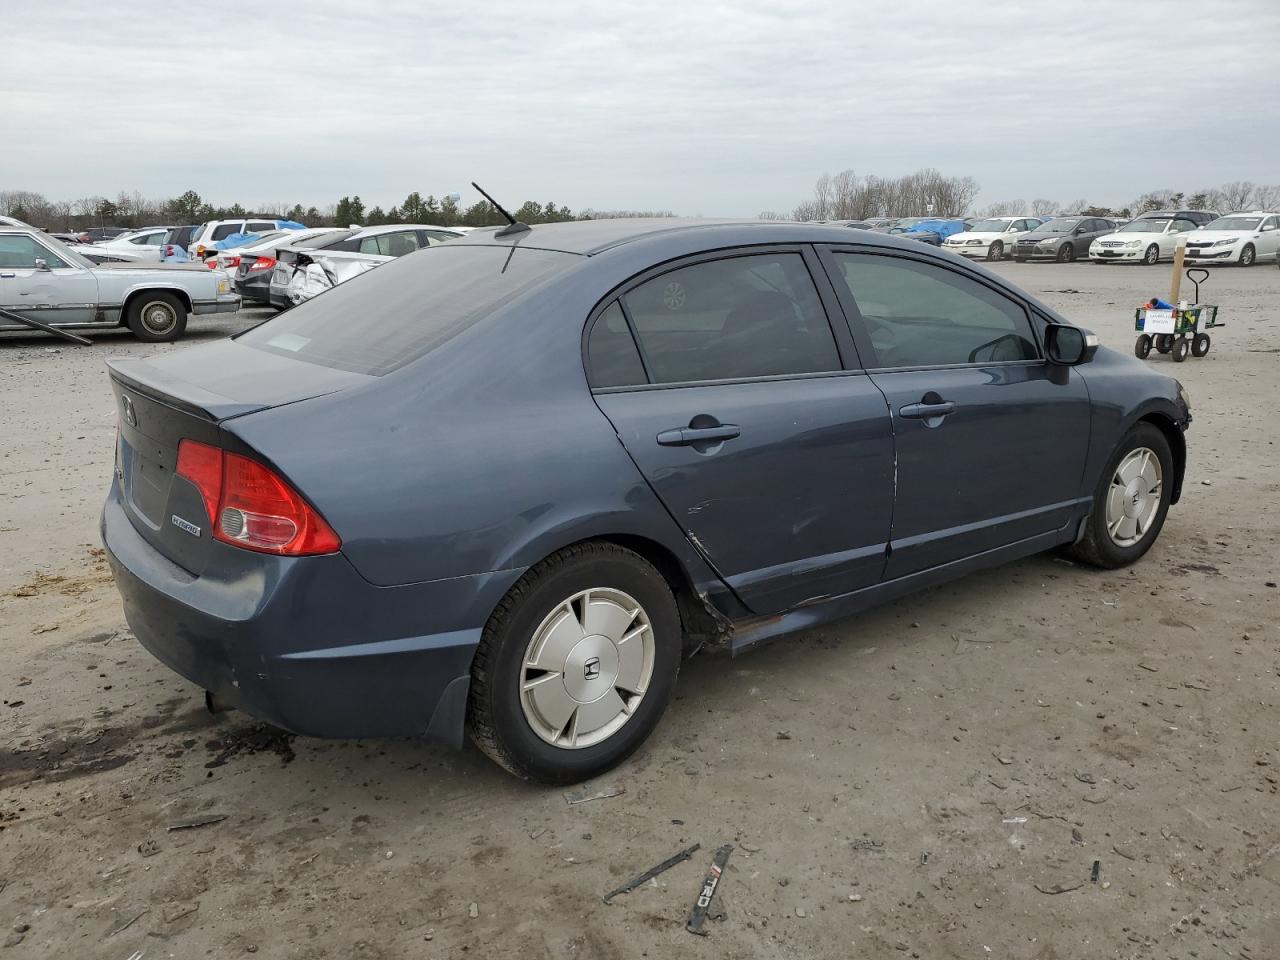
x=652 y=872
x=586 y=796
x=200 y=821
x=698 y=917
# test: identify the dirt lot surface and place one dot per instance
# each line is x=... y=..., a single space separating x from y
x=937 y=778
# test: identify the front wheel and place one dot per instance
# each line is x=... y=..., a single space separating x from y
x=1248 y=255
x=1131 y=501
x=1067 y=253
x=1200 y=345
x=995 y=251
x=1152 y=256
x=156 y=317
x=1179 y=349
x=576 y=666
x=1142 y=346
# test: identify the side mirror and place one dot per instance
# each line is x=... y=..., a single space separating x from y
x=42 y=264
x=1068 y=346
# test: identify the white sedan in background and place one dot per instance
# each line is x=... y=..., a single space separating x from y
x=1141 y=241
x=1241 y=238
x=990 y=239
x=136 y=246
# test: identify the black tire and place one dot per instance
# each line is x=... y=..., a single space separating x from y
x=1067 y=253
x=495 y=719
x=1200 y=345
x=1164 y=342
x=1179 y=349
x=1142 y=346
x=156 y=317
x=1096 y=546
x=1152 y=255
x=1248 y=256
x=1019 y=259
x=996 y=250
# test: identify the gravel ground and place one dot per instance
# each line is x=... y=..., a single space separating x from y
x=936 y=778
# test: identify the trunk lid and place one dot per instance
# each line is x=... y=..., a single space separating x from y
x=188 y=395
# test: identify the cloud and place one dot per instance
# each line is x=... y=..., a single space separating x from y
x=725 y=108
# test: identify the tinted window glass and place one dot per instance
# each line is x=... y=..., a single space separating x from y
x=258 y=227
x=612 y=357
x=917 y=314
x=387 y=317
x=19 y=250
x=225 y=230
x=752 y=316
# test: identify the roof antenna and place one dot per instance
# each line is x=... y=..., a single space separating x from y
x=514 y=226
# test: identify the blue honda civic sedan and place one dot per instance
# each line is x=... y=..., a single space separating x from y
x=504 y=486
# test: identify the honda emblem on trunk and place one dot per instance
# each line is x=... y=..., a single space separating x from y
x=130 y=415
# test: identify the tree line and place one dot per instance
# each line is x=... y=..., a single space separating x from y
x=850 y=196
x=136 y=210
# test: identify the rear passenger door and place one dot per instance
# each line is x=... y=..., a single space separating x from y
x=748 y=416
x=990 y=440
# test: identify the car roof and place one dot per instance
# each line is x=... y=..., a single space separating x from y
x=592 y=237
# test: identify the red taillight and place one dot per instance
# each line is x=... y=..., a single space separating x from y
x=262 y=263
x=250 y=506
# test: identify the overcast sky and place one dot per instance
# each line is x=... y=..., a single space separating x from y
x=701 y=108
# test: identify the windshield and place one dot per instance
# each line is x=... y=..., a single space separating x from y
x=269 y=239
x=323 y=239
x=405 y=308
x=64 y=251
x=1144 y=226
x=1059 y=225
x=1234 y=223
x=990 y=226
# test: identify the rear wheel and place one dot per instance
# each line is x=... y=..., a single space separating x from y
x=1067 y=253
x=576 y=665
x=1131 y=501
x=1020 y=259
x=1142 y=346
x=156 y=317
x=1152 y=256
x=995 y=251
x=1248 y=255
x=1163 y=342
x=1179 y=349
x=1200 y=345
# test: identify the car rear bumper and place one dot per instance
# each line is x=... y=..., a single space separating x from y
x=225 y=303
x=307 y=644
x=256 y=288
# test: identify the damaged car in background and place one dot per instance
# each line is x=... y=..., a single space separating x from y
x=46 y=285
x=311 y=272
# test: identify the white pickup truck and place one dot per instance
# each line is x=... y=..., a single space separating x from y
x=46 y=285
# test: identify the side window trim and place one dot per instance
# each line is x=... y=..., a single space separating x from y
x=828 y=297
x=858 y=327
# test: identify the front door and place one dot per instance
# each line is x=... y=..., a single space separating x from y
x=990 y=439
x=36 y=282
x=773 y=457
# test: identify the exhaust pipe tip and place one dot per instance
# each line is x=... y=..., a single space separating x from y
x=215 y=704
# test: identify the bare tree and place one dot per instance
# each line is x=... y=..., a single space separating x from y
x=1004 y=208
x=1042 y=207
x=1237 y=195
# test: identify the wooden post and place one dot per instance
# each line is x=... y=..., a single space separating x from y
x=1179 y=251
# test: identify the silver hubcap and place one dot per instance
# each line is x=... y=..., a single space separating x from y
x=1134 y=497
x=158 y=317
x=587 y=668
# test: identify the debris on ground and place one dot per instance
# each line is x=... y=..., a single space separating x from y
x=866 y=843
x=652 y=872
x=176 y=911
x=191 y=823
x=698 y=916
x=586 y=796
x=1063 y=887
x=149 y=848
x=258 y=738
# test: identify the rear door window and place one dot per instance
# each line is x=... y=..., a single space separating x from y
x=612 y=357
x=920 y=315
x=224 y=230
x=420 y=303
x=746 y=316
x=261 y=227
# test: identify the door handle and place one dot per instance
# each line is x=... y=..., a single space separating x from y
x=926 y=411
x=687 y=436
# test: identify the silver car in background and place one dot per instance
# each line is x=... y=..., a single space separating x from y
x=46 y=284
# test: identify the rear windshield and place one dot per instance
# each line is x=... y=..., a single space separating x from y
x=403 y=309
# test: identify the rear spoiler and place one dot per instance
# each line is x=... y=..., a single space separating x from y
x=182 y=395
